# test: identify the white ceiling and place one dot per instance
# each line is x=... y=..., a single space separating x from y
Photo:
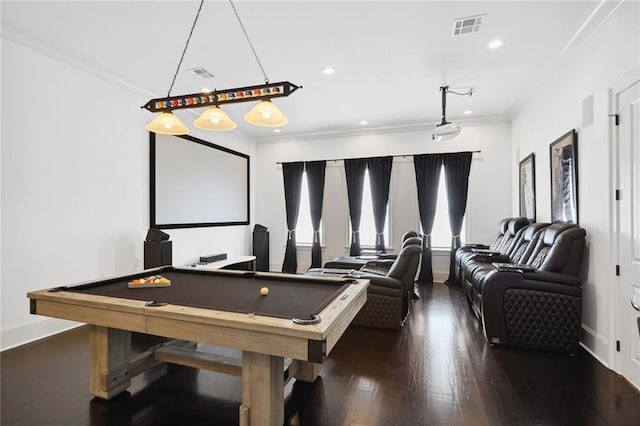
x=390 y=57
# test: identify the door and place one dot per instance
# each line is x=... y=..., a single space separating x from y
x=628 y=215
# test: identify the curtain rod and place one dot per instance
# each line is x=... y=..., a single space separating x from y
x=381 y=156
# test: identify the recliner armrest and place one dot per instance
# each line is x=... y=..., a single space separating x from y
x=387 y=256
x=382 y=263
x=553 y=277
x=493 y=257
x=477 y=246
x=377 y=280
x=496 y=282
x=469 y=247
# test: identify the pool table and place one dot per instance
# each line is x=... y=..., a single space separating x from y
x=300 y=319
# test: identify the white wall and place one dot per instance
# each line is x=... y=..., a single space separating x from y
x=556 y=107
x=75 y=188
x=489 y=187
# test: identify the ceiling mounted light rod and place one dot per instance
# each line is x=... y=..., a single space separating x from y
x=220 y=97
x=444 y=89
x=447 y=130
x=265 y=113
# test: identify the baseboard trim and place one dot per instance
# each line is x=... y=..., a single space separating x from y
x=596 y=345
x=27 y=333
x=440 y=276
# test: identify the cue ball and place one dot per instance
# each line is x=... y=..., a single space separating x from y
x=264 y=291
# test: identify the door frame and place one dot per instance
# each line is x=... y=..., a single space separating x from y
x=618 y=87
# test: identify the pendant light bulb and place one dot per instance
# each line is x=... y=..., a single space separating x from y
x=215 y=119
x=166 y=123
x=266 y=114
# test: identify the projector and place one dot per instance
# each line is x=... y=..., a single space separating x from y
x=445 y=131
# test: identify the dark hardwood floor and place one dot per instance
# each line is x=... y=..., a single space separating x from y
x=438 y=370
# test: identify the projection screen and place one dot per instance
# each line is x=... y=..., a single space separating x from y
x=194 y=183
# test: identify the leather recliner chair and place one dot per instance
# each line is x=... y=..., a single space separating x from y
x=385 y=291
x=387 y=303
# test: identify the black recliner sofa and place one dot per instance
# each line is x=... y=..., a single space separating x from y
x=533 y=298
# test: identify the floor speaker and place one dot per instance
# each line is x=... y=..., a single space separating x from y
x=157 y=253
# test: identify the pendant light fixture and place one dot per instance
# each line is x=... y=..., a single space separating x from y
x=447 y=130
x=215 y=119
x=265 y=113
x=166 y=123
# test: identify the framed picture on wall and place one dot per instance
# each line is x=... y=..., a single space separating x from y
x=528 y=187
x=563 y=156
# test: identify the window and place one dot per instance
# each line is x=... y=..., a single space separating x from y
x=304 y=229
x=441 y=232
x=367 y=225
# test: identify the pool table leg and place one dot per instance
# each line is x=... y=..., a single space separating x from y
x=262 y=390
x=305 y=371
x=108 y=348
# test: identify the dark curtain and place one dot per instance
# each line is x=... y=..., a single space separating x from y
x=354 y=171
x=379 y=178
x=292 y=175
x=315 y=182
x=456 y=169
x=427 y=168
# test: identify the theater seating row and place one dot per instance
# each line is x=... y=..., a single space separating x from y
x=526 y=287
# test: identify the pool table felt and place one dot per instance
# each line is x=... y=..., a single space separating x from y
x=287 y=298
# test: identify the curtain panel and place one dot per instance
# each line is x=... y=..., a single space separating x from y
x=379 y=178
x=315 y=183
x=456 y=169
x=354 y=170
x=427 y=168
x=292 y=176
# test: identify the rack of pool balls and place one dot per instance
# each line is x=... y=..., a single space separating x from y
x=151 y=281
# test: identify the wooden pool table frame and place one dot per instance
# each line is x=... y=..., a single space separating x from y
x=264 y=341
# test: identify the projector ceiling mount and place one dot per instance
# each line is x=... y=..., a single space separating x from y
x=446 y=129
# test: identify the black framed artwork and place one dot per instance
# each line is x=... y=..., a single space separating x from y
x=528 y=187
x=563 y=159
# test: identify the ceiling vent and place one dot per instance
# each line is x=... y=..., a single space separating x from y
x=201 y=72
x=468 y=25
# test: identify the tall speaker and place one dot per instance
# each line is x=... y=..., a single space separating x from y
x=157 y=253
x=261 y=248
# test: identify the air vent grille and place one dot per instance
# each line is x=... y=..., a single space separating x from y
x=201 y=72
x=468 y=25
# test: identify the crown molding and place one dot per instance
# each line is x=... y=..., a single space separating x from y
x=41 y=46
x=400 y=128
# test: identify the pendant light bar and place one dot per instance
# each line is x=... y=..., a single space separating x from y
x=219 y=97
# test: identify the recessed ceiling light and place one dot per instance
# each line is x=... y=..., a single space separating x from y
x=363 y=122
x=276 y=130
x=467 y=112
x=328 y=70
x=494 y=44
x=205 y=90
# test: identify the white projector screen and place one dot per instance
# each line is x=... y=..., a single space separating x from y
x=194 y=183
